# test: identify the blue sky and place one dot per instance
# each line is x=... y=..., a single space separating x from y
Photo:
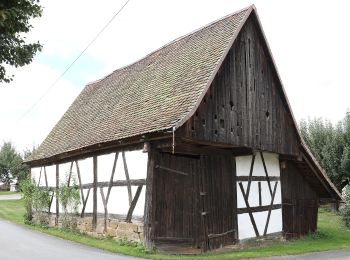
x=309 y=41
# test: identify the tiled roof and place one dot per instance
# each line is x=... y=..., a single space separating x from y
x=150 y=95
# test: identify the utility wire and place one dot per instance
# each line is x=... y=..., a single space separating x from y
x=72 y=63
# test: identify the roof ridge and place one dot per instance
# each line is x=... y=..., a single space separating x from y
x=172 y=42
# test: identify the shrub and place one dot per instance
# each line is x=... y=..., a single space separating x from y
x=27 y=188
x=41 y=204
x=345 y=209
x=36 y=201
x=69 y=198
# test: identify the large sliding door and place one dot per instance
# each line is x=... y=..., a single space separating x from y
x=194 y=200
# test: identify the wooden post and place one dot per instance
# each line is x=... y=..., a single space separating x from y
x=57 y=201
x=148 y=214
x=94 y=213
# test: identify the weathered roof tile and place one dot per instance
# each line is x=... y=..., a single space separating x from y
x=148 y=96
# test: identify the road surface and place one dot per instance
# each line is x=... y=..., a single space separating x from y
x=16 y=196
x=18 y=243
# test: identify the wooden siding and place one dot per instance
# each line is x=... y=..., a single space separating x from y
x=245 y=106
x=175 y=197
x=218 y=201
x=194 y=199
x=299 y=203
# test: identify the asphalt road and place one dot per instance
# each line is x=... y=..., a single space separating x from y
x=16 y=196
x=327 y=255
x=19 y=243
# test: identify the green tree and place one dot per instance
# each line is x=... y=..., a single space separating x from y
x=11 y=164
x=330 y=144
x=15 y=17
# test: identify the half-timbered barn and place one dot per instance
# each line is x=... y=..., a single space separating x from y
x=195 y=144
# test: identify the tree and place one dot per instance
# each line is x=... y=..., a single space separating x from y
x=15 y=17
x=11 y=164
x=331 y=147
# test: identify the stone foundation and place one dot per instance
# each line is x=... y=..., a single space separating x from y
x=115 y=229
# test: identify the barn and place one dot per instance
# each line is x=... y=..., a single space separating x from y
x=194 y=144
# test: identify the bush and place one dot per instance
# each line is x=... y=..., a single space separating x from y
x=41 y=204
x=27 y=188
x=36 y=201
x=69 y=197
x=345 y=209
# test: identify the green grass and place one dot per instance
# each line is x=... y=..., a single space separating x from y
x=332 y=234
x=8 y=192
x=12 y=210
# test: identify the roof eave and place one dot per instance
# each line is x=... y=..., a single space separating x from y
x=101 y=148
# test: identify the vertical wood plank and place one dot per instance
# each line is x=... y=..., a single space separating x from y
x=70 y=173
x=260 y=199
x=127 y=178
x=80 y=183
x=84 y=203
x=57 y=200
x=105 y=208
x=112 y=176
x=94 y=213
x=41 y=168
x=148 y=213
x=46 y=183
x=133 y=204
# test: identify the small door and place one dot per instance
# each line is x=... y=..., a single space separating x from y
x=218 y=201
x=175 y=197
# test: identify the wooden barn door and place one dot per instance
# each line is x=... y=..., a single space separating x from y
x=217 y=201
x=299 y=203
x=176 y=198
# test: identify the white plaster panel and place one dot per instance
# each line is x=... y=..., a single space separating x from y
x=278 y=196
x=245 y=227
x=275 y=224
x=105 y=166
x=118 y=201
x=100 y=207
x=140 y=206
x=258 y=169
x=272 y=164
x=35 y=172
x=137 y=164
x=119 y=171
x=64 y=170
x=260 y=221
x=243 y=165
x=265 y=193
x=240 y=199
x=86 y=170
x=51 y=175
x=254 y=194
x=89 y=203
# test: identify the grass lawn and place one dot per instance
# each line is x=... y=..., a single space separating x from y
x=332 y=234
x=7 y=192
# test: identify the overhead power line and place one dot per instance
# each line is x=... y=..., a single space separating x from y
x=72 y=63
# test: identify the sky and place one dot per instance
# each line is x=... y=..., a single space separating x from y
x=309 y=41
